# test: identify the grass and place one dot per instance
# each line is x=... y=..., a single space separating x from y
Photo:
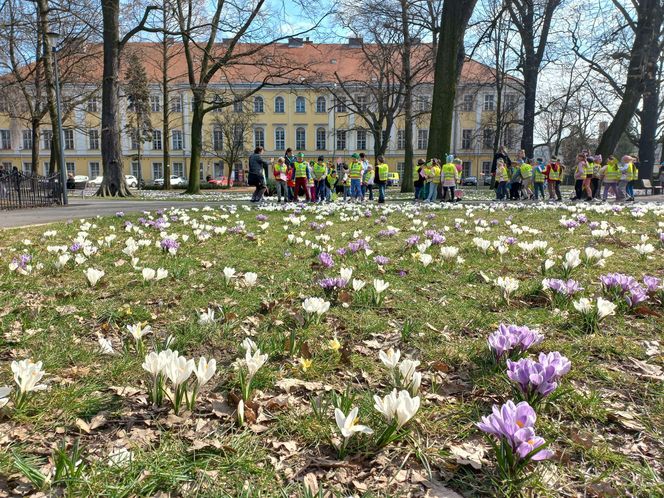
x=440 y=315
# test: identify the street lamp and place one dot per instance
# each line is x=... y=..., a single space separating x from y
x=53 y=37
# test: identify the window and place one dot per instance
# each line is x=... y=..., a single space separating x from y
x=217 y=139
x=178 y=170
x=258 y=104
x=217 y=104
x=238 y=106
x=47 y=138
x=422 y=139
x=8 y=166
x=467 y=139
x=94 y=170
x=340 y=104
x=489 y=102
x=218 y=169
x=361 y=140
x=401 y=139
x=487 y=138
x=300 y=105
x=133 y=137
x=279 y=138
x=71 y=168
x=178 y=140
x=279 y=106
x=156 y=139
x=468 y=103
x=69 y=138
x=510 y=101
x=259 y=137
x=47 y=165
x=157 y=171
x=238 y=136
x=155 y=103
x=176 y=103
x=321 y=104
x=423 y=103
x=300 y=138
x=27 y=167
x=341 y=139
x=362 y=103
x=486 y=167
x=467 y=166
x=321 y=139
x=93 y=104
x=27 y=139
x=93 y=139
x=134 y=169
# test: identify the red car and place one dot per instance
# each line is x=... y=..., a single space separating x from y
x=222 y=181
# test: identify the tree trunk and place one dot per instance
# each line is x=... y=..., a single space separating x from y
x=50 y=87
x=114 y=183
x=648 y=27
x=455 y=16
x=407 y=179
x=166 y=126
x=196 y=143
x=34 y=150
x=530 y=75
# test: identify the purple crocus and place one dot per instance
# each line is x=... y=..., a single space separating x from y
x=565 y=288
x=510 y=338
x=326 y=260
x=535 y=380
x=381 y=260
x=170 y=245
x=75 y=247
x=261 y=217
x=412 y=240
x=626 y=287
x=332 y=284
x=636 y=295
x=22 y=261
x=119 y=214
x=653 y=284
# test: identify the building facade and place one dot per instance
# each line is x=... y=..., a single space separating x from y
x=306 y=118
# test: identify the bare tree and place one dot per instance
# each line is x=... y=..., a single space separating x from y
x=231 y=132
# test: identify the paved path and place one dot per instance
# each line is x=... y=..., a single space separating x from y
x=87 y=208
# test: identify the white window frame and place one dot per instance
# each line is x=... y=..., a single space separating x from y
x=156 y=140
x=361 y=139
x=422 y=138
x=279 y=143
x=300 y=138
x=177 y=139
x=259 y=104
x=279 y=105
x=489 y=102
x=68 y=134
x=259 y=137
x=155 y=103
x=321 y=138
x=27 y=139
x=300 y=105
x=90 y=172
x=321 y=108
x=161 y=170
x=93 y=139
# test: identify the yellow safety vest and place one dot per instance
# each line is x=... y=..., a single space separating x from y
x=539 y=175
x=435 y=171
x=382 y=170
x=612 y=173
x=280 y=168
x=331 y=179
x=355 y=171
x=449 y=172
x=555 y=175
x=320 y=170
x=632 y=172
x=526 y=171
x=427 y=173
x=300 y=170
x=501 y=173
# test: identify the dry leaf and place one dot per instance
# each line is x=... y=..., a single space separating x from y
x=469 y=453
x=311 y=483
x=87 y=427
x=438 y=490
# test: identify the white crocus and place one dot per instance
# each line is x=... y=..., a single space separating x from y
x=380 y=285
x=138 y=331
x=605 y=308
x=205 y=370
x=153 y=364
x=254 y=362
x=250 y=279
x=161 y=274
x=572 y=260
x=206 y=317
x=27 y=375
x=449 y=252
x=390 y=358
x=387 y=406
x=508 y=285
x=178 y=370
x=583 y=305
x=348 y=423
x=93 y=275
x=406 y=407
x=249 y=345
x=358 y=284
x=63 y=259
x=346 y=273
x=229 y=274
x=644 y=249
x=148 y=274
x=315 y=306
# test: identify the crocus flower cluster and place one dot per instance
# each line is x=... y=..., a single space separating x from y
x=169 y=245
x=621 y=286
x=381 y=260
x=358 y=245
x=332 y=284
x=326 y=260
x=27 y=375
x=435 y=237
x=564 y=288
x=512 y=338
x=538 y=379
x=514 y=428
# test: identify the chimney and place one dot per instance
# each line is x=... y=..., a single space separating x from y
x=295 y=42
x=355 y=42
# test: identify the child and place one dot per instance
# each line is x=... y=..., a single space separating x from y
x=280 y=172
x=330 y=184
x=419 y=180
x=515 y=181
x=611 y=176
x=625 y=176
x=368 y=182
x=596 y=162
x=345 y=181
x=539 y=178
x=527 y=179
x=435 y=180
x=501 y=180
x=554 y=173
x=449 y=177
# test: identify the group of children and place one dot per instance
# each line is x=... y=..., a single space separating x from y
x=429 y=175
x=523 y=181
x=320 y=183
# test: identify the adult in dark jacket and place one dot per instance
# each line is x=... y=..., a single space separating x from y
x=289 y=159
x=258 y=168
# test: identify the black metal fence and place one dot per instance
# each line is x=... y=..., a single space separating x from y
x=19 y=190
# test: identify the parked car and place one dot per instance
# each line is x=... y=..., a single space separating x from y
x=96 y=181
x=469 y=181
x=176 y=181
x=393 y=178
x=81 y=178
x=131 y=181
x=222 y=181
x=487 y=180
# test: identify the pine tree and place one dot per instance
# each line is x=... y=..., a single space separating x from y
x=138 y=97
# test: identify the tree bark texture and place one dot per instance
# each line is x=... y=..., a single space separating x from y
x=407 y=179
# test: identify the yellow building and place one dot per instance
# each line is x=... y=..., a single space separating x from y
x=304 y=116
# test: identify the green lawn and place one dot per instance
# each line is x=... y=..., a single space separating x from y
x=605 y=423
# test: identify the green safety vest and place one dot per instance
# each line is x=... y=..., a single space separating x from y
x=612 y=173
x=539 y=175
x=449 y=172
x=588 y=168
x=526 y=171
x=331 y=179
x=280 y=168
x=555 y=175
x=382 y=170
x=300 y=170
x=368 y=176
x=355 y=171
x=320 y=170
